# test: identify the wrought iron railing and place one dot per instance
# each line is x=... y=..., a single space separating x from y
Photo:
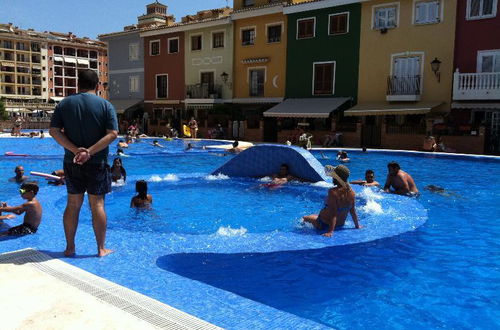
x=204 y=91
x=397 y=85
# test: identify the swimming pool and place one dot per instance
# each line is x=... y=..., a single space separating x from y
x=236 y=255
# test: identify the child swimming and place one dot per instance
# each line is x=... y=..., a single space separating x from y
x=142 y=199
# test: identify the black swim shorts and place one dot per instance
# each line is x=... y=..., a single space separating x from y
x=24 y=229
x=94 y=179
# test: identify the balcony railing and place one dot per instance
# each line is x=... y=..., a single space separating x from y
x=403 y=88
x=204 y=91
x=476 y=86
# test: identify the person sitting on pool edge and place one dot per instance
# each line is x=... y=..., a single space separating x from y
x=32 y=209
x=142 y=199
x=339 y=203
x=19 y=177
x=400 y=181
x=369 y=180
x=118 y=171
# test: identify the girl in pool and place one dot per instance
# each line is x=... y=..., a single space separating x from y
x=340 y=202
x=118 y=171
x=142 y=199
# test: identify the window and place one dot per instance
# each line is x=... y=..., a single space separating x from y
x=338 y=24
x=133 y=52
x=161 y=86
x=477 y=9
x=218 y=40
x=274 y=33
x=154 y=47
x=323 y=78
x=306 y=28
x=248 y=37
x=256 y=80
x=196 y=42
x=173 y=46
x=133 y=82
x=427 y=12
x=248 y=3
x=488 y=61
x=385 y=18
x=207 y=79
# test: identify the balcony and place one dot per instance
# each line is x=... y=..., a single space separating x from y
x=204 y=91
x=403 y=88
x=476 y=86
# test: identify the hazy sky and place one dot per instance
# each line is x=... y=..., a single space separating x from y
x=92 y=17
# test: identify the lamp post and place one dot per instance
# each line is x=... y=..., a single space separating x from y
x=435 y=65
x=224 y=76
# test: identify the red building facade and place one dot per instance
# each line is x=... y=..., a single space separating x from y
x=476 y=82
x=164 y=82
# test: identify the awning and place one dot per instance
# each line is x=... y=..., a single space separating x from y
x=82 y=61
x=19 y=110
x=386 y=108
x=478 y=106
x=69 y=60
x=8 y=64
x=122 y=105
x=57 y=98
x=58 y=59
x=306 y=108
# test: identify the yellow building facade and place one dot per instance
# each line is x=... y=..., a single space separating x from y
x=259 y=58
x=406 y=64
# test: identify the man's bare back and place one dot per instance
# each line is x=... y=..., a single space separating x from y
x=401 y=182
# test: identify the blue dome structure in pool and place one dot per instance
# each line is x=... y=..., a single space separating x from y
x=265 y=160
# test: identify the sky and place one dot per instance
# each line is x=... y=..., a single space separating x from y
x=89 y=18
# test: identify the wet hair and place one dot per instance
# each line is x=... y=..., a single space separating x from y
x=41 y=131
x=369 y=172
x=30 y=186
x=141 y=187
x=155 y=141
x=117 y=159
x=119 y=150
x=87 y=79
x=235 y=144
x=393 y=165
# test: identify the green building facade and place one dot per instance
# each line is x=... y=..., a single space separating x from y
x=319 y=41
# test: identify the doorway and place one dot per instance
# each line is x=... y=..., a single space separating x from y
x=371 y=132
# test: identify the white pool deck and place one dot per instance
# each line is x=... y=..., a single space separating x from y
x=39 y=292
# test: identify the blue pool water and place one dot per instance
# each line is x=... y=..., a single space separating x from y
x=236 y=255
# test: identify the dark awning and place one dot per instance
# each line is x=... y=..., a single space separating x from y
x=386 y=108
x=122 y=105
x=479 y=106
x=306 y=108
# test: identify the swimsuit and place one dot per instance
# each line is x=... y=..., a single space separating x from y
x=24 y=229
x=321 y=222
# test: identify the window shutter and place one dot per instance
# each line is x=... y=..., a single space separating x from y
x=420 y=13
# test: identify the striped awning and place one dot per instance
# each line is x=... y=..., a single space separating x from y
x=69 y=60
x=386 y=108
x=58 y=59
x=82 y=61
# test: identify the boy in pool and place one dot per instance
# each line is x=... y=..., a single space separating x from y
x=142 y=199
x=369 y=180
x=32 y=209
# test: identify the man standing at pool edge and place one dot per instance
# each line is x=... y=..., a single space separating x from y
x=85 y=124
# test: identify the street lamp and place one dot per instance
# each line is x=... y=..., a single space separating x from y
x=435 y=64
